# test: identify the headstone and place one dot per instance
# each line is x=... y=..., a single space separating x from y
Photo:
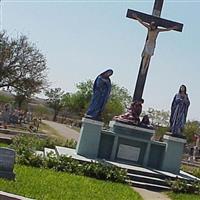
x=7 y=160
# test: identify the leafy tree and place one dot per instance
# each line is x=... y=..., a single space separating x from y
x=41 y=110
x=20 y=100
x=113 y=107
x=122 y=95
x=75 y=103
x=55 y=100
x=85 y=89
x=191 y=128
x=5 y=99
x=160 y=120
x=158 y=117
x=22 y=67
x=160 y=131
x=78 y=102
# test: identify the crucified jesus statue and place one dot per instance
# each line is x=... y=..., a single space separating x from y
x=150 y=44
x=153 y=31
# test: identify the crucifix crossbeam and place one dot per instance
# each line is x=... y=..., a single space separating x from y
x=159 y=21
x=152 y=23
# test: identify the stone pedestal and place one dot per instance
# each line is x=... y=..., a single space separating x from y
x=131 y=144
x=173 y=153
x=90 y=134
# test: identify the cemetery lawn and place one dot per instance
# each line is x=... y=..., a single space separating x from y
x=44 y=184
x=3 y=144
x=175 y=196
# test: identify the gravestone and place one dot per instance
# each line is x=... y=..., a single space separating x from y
x=7 y=160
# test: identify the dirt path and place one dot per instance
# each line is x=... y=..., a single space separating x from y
x=63 y=130
x=151 y=195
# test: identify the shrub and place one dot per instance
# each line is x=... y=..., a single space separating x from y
x=50 y=161
x=33 y=142
x=26 y=145
x=70 y=143
x=52 y=142
x=182 y=186
x=36 y=161
x=105 y=172
x=70 y=165
x=195 y=171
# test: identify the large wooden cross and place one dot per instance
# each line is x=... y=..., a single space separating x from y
x=155 y=17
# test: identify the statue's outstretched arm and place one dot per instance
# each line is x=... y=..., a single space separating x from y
x=167 y=29
x=141 y=22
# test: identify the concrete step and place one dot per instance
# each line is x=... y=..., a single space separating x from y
x=156 y=174
x=39 y=153
x=148 y=173
x=17 y=132
x=149 y=186
x=64 y=151
x=48 y=151
x=5 y=139
x=193 y=163
x=147 y=179
x=9 y=196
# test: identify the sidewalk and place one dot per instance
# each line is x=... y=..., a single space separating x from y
x=151 y=195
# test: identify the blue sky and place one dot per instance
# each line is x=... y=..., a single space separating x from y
x=80 y=39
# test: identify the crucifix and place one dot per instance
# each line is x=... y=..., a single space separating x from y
x=152 y=23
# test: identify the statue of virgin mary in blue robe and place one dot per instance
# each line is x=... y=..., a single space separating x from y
x=101 y=92
x=179 y=109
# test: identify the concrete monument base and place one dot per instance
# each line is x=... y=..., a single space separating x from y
x=90 y=134
x=173 y=153
x=130 y=145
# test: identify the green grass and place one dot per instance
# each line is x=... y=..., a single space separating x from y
x=3 y=144
x=175 y=196
x=195 y=171
x=43 y=184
